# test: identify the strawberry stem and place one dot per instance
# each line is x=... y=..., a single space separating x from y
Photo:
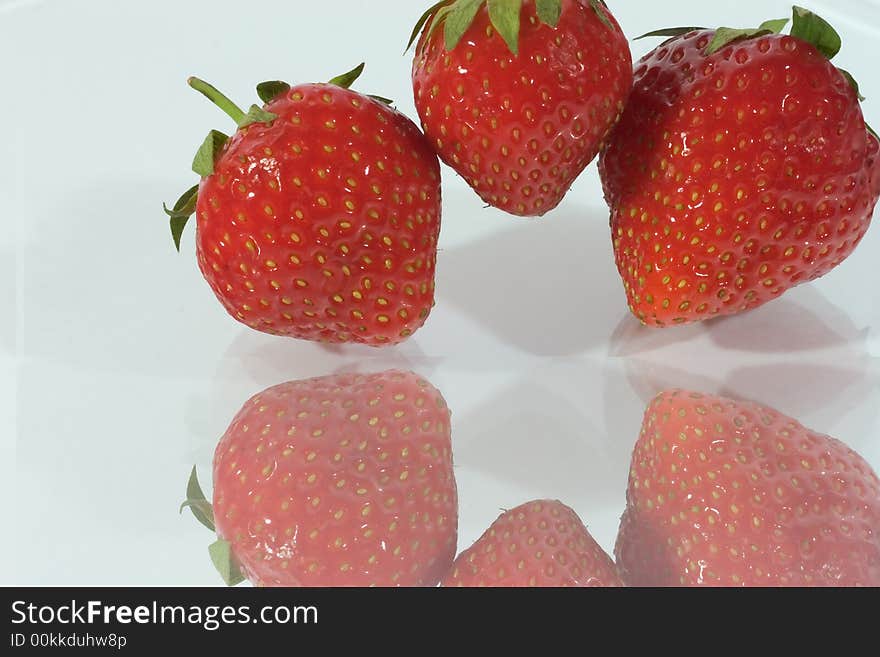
x=219 y=99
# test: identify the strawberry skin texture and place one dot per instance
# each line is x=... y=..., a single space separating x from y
x=735 y=176
x=731 y=493
x=520 y=128
x=542 y=543
x=342 y=480
x=323 y=224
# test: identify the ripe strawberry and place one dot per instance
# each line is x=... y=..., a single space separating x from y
x=319 y=218
x=741 y=167
x=539 y=543
x=341 y=480
x=518 y=96
x=729 y=493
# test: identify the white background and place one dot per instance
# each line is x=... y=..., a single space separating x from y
x=119 y=369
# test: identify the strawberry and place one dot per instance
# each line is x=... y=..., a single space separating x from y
x=518 y=96
x=319 y=218
x=539 y=543
x=341 y=480
x=732 y=493
x=741 y=167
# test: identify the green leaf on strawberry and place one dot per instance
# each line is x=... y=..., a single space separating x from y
x=459 y=20
x=601 y=8
x=438 y=19
x=852 y=82
x=504 y=15
x=726 y=35
x=457 y=16
x=203 y=162
x=181 y=212
x=813 y=29
x=381 y=99
x=197 y=503
x=348 y=78
x=256 y=114
x=224 y=562
x=774 y=26
x=424 y=18
x=271 y=89
x=806 y=26
x=220 y=550
x=668 y=32
x=549 y=11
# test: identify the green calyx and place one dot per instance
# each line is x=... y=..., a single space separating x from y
x=815 y=30
x=270 y=90
x=723 y=35
x=548 y=11
x=209 y=151
x=203 y=162
x=347 y=79
x=254 y=115
x=670 y=32
x=220 y=550
x=726 y=35
x=197 y=502
x=456 y=16
x=206 y=157
x=805 y=25
x=183 y=209
x=504 y=16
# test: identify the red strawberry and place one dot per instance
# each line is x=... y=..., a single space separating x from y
x=741 y=167
x=729 y=493
x=518 y=96
x=319 y=218
x=873 y=161
x=539 y=543
x=341 y=480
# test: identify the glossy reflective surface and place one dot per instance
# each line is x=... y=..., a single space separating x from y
x=119 y=370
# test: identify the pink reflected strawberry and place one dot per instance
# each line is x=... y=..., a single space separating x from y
x=540 y=543
x=342 y=480
x=732 y=493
